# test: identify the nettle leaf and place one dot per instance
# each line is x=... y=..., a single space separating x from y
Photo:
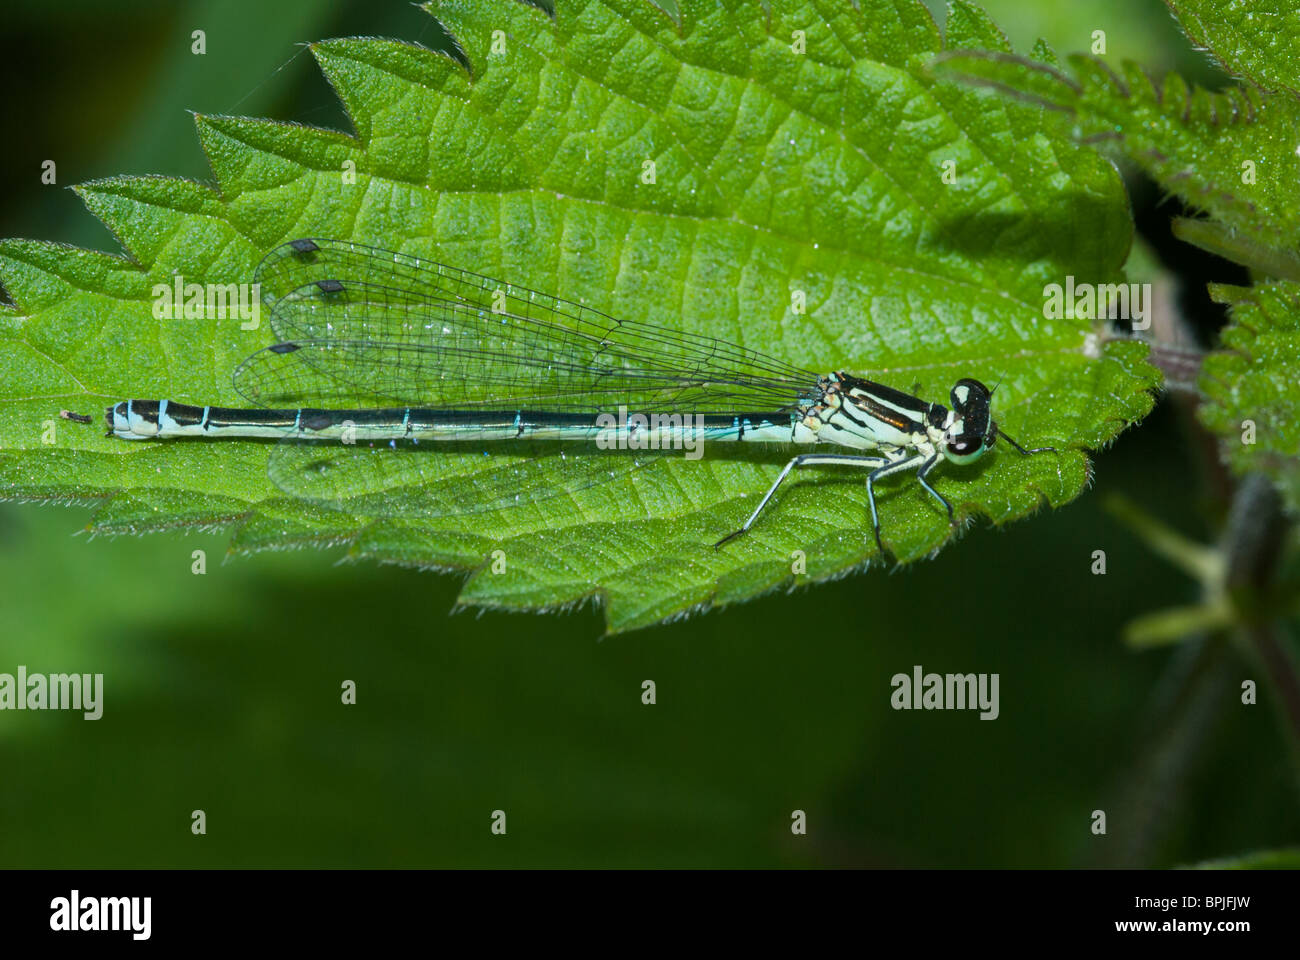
x=1255 y=39
x=1231 y=154
x=778 y=176
x=1249 y=385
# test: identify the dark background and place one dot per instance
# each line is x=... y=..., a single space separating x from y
x=223 y=690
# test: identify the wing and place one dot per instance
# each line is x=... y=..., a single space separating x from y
x=373 y=327
x=413 y=481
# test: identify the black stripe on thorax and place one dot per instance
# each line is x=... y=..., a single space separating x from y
x=894 y=407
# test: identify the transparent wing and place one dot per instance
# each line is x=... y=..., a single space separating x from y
x=372 y=326
x=444 y=479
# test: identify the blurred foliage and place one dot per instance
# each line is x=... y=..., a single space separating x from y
x=1288 y=859
x=1140 y=30
x=223 y=690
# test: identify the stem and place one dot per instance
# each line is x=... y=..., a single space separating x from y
x=1183 y=710
x=1253 y=545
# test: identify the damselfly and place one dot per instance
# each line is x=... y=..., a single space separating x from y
x=378 y=351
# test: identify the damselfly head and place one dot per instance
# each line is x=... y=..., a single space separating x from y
x=972 y=431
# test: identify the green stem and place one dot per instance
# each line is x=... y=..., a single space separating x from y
x=1254 y=541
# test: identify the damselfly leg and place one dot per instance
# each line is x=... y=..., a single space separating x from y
x=896 y=467
x=884 y=467
x=921 y=475
x=817 y=459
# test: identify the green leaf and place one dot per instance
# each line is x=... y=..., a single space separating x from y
x=1231 y=154
x=1249 y=384
x=1255 y=39
x=776 y=173
x=1239 y=248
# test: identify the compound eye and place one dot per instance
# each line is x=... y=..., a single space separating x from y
x=964 y=446
x=968 y=391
